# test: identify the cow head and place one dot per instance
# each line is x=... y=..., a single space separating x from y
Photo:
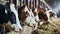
x=50 y=14
x=23 y=13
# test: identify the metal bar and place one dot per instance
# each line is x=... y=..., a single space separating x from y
x=30 y=4
x=46 y=4
x=23 y=2
x=26 y=2
x=34 y=3
x=38 y=2
x=11 y=1
x=20 y=2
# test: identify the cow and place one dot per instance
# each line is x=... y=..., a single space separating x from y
x=26 y=16
x=12 y=7
x=50 y=14
x=35 y=14
x=40 y=15
x=14 y=17
x=10 y=14
x=4 y=18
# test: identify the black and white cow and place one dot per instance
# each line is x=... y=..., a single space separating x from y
x=10 y=14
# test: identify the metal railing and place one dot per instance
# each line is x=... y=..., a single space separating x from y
x=35 y=3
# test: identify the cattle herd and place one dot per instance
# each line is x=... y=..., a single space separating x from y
x=22 y=19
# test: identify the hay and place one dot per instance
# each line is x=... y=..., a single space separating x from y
x=51 y=28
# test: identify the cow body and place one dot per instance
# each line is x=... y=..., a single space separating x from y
x=9 y=15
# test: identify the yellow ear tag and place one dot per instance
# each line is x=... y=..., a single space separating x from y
x=5 y=11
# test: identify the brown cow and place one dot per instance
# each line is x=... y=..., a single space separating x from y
x=26 y=18
x=41 y=14
x=22 y=13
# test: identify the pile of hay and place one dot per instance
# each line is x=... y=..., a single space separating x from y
x=51 y=28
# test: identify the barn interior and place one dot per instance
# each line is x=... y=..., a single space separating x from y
x=51 y=27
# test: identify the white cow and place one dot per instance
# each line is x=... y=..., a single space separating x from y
x=36 y=17
x=17 y=25
x=30 y=19
x=48 y=15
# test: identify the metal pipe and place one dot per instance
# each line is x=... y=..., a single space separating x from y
x=34 y=3
x=24 y=2
x=27 y=2
x=20 y=2
x=30 y=4
x=46 y=4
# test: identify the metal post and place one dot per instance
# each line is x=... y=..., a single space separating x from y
x=27 y=2
x=20 y=2
x=42 y=3
x=30 y=4
x=46 y=4
x=38 y=2
x=11 y=1
x=16 y=2
x=24 y=2
x=34 y=3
